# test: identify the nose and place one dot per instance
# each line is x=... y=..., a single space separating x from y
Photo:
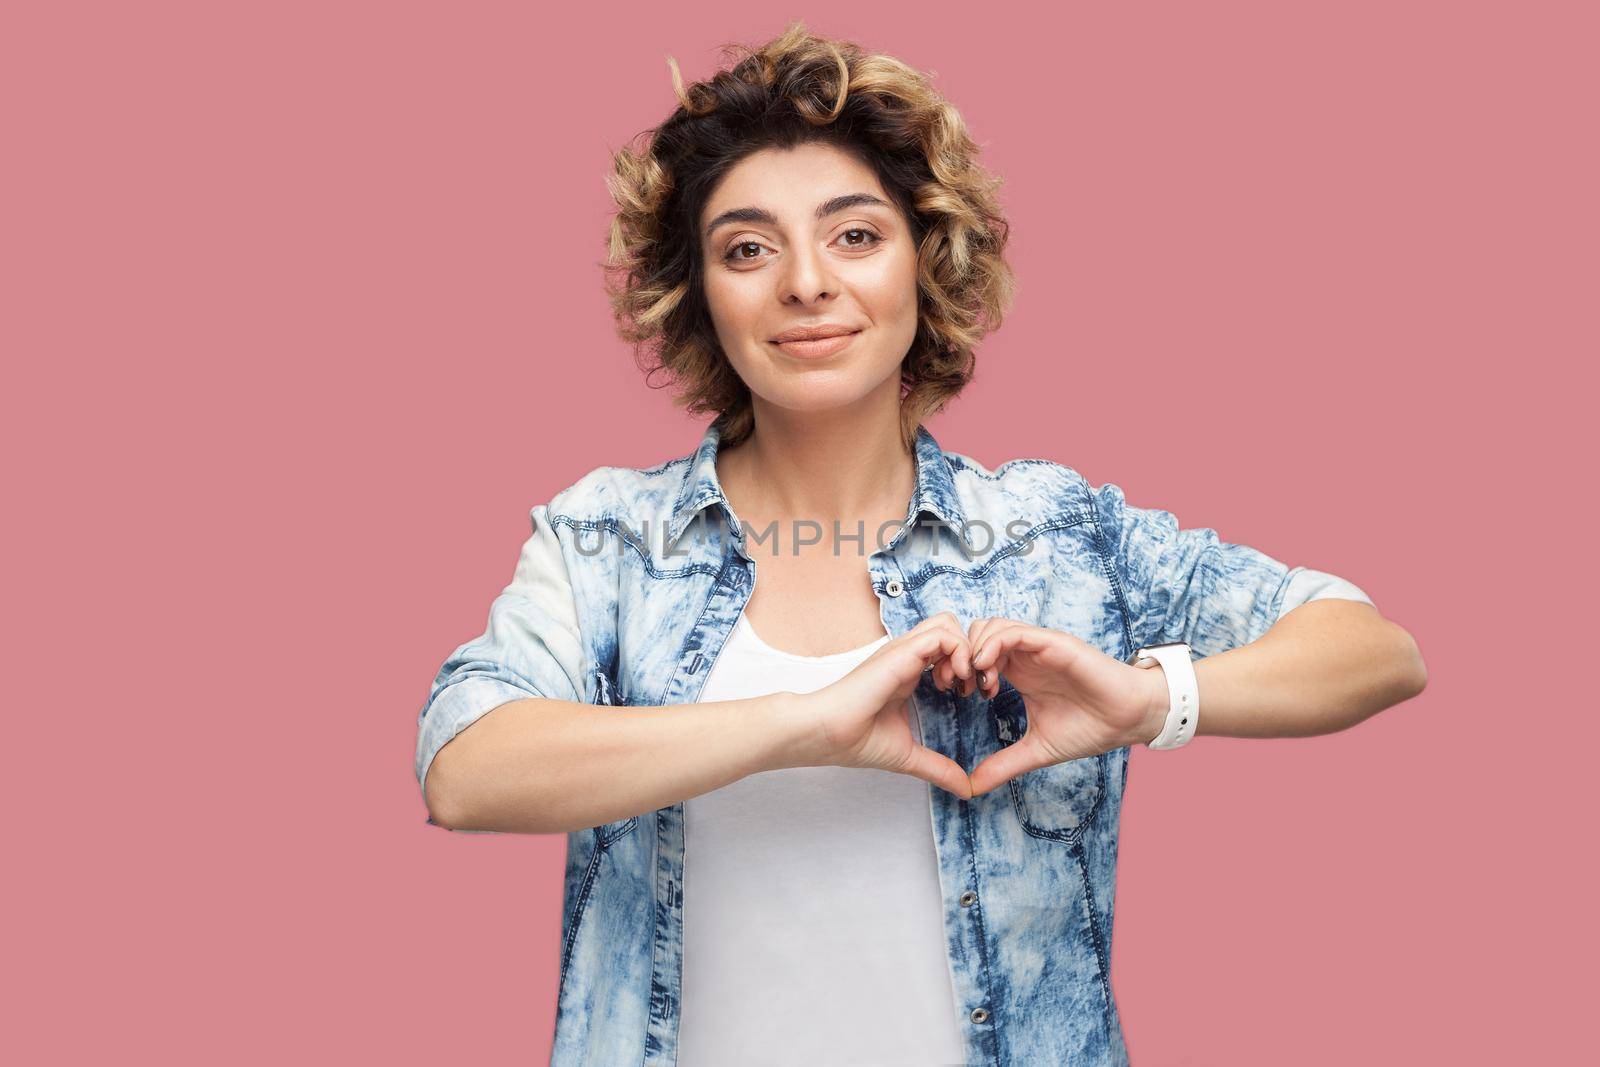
x=807 y=276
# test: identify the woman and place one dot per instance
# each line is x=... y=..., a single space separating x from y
x=758 y=870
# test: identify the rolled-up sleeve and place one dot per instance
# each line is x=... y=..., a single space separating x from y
x=531 y=647
x=1306 y=585
x=1188 y=585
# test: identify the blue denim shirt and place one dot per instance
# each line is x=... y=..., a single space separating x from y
x=627 y=589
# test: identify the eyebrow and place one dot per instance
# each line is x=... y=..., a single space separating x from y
x=824 y=209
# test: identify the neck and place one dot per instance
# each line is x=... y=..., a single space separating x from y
x=845 y=465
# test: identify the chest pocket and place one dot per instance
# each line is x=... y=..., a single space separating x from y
x=605 y=692
x=1055 y=802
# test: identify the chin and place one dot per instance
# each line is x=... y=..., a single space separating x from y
x=817 y=396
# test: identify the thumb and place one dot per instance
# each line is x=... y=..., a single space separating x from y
x=939 y=769
x=1000 y=767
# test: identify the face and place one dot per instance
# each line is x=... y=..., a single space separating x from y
x=808 y=237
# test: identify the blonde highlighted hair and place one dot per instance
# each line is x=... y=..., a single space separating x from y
x=800 y=88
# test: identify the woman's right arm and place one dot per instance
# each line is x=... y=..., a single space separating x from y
x=544 y=766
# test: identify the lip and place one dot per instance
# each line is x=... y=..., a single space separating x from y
x=812 y=333
x=816 y=347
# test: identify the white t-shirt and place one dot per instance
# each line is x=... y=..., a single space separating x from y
x=813 y=927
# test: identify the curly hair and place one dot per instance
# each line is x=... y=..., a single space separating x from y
x=800 y=88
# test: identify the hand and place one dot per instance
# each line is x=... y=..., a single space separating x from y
x=1080 y=701
x=863 y=719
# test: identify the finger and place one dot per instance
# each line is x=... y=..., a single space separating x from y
x=1020 y=637
x=939 y=769
x=995 y=648
x=989 y=678
x=942 y=670
x=897 y=667
x=957 y=667
x=959 y=663
x=1012 y=635
x=979 y=626
x=975 y=636
x=1000 y=767
x=986 y=676
x=961 y=659
x=952 y=664
x=924 y=648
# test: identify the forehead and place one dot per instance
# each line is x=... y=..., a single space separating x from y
x=792 y=181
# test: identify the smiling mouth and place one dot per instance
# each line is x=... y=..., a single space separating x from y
x=817 y=346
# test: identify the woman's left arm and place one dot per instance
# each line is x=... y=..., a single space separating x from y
x=1321 y=667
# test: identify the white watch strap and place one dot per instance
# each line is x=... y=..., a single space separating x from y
x=1183 y=713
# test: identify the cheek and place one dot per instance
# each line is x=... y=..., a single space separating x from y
x=732 y=305
x=890 y=290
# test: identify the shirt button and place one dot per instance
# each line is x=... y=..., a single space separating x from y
x=979 y=1015
x=968 y=899
x=894 y=588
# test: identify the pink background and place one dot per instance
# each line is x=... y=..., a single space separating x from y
x=302 y=313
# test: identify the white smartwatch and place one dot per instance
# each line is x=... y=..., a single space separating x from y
x=1183 y=713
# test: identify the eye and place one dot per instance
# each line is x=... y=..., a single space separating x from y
x=862 y=230
x=735 y=254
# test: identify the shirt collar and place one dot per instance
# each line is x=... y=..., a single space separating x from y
x=935 y=493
